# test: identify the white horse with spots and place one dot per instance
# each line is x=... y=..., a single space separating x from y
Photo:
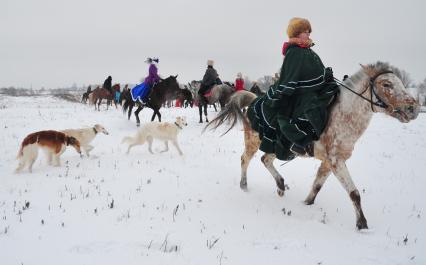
x=375 y=88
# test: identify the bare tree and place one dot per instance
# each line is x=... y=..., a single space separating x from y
x=265 y=82
x=422 y=87
x=404 y=76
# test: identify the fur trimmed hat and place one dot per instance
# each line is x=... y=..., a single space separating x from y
x=298 y=25
x=210 y=62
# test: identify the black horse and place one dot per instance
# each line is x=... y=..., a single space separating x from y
x=161 y=92
x=185 y=97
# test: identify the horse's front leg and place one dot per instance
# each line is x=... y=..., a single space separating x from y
x=268 y=161
x=205 y=112
x=200 y=110
x=138 y=122
x=99 y=104
x=322 y=174
x=156 y=113
x=342 y=173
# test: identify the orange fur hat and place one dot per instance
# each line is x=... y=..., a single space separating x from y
x=298 y=25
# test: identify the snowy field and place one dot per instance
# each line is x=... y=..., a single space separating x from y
x=114 y=208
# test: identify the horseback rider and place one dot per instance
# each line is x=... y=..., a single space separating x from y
x=209 y=80
x=143 y=90
x=294 y=111
x=108 y=84
x=255 y=89
x=89 y=90
x=239 y=82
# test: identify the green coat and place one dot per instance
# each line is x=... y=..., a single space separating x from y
x=295 y=108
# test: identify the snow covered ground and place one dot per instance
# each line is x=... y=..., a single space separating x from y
x=114 y=208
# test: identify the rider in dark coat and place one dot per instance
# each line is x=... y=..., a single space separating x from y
x=294 y=111
x=209 y=80
x=108 y=84
x=256 y=89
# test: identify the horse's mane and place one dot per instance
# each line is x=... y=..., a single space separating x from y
x=362 y=75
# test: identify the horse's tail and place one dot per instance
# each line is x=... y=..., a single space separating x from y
x=232 y=112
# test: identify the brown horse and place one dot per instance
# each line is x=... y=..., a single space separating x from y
x=375 y=88
x=101 y=93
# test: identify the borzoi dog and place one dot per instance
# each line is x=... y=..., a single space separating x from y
x=53 y=143
x=163 y=131
x=86 y=135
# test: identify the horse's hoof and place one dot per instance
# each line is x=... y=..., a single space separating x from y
x=138 y=124
x=243 y=186
x=361 y=224
x=309 y=201
x=280 y=192
x=200 y=122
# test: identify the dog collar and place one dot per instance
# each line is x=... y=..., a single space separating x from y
x=94 y=129
x=178 y=125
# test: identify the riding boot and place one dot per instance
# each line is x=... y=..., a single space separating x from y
x=303 y=150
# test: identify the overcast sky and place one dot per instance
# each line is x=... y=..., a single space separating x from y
x=54 y=43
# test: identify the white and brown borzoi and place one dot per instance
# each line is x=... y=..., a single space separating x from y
x=86 y=135
x=378 y=89
x=163 y=131
x=53 y=143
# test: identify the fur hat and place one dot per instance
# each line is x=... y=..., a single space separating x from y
x=150 y=60
x=210 y=62
x=298 y=25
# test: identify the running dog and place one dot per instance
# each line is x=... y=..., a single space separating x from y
x=53 y=143
x=86 y=135
x=163 y=131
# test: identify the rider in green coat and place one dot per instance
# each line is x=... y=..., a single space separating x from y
x=294 y=111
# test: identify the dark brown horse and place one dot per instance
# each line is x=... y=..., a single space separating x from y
x=161 y=92
x=102 y=93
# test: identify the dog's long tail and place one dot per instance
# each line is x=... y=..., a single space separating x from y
x=232 y=112
x=128 y=139
x=20 y=152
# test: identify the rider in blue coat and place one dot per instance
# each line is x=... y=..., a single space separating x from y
x=142 y=91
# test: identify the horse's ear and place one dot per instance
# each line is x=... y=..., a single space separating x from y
x=176 y=76
x=364 y=67
x=367 y=70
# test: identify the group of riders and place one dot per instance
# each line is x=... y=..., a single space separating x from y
x=293 y=112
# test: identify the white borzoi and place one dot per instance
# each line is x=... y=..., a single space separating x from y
x=86 y=135
x=53 y=143
x=163 y=131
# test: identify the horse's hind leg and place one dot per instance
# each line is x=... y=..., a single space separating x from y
x=268 y=161
x=129 y=113
x=138 y=122
x=342 y=173
x=251 y=145
x=322 y=174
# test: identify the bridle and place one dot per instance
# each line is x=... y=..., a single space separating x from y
x=379 y=102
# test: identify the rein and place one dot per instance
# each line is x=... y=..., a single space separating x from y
x=379 y=103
